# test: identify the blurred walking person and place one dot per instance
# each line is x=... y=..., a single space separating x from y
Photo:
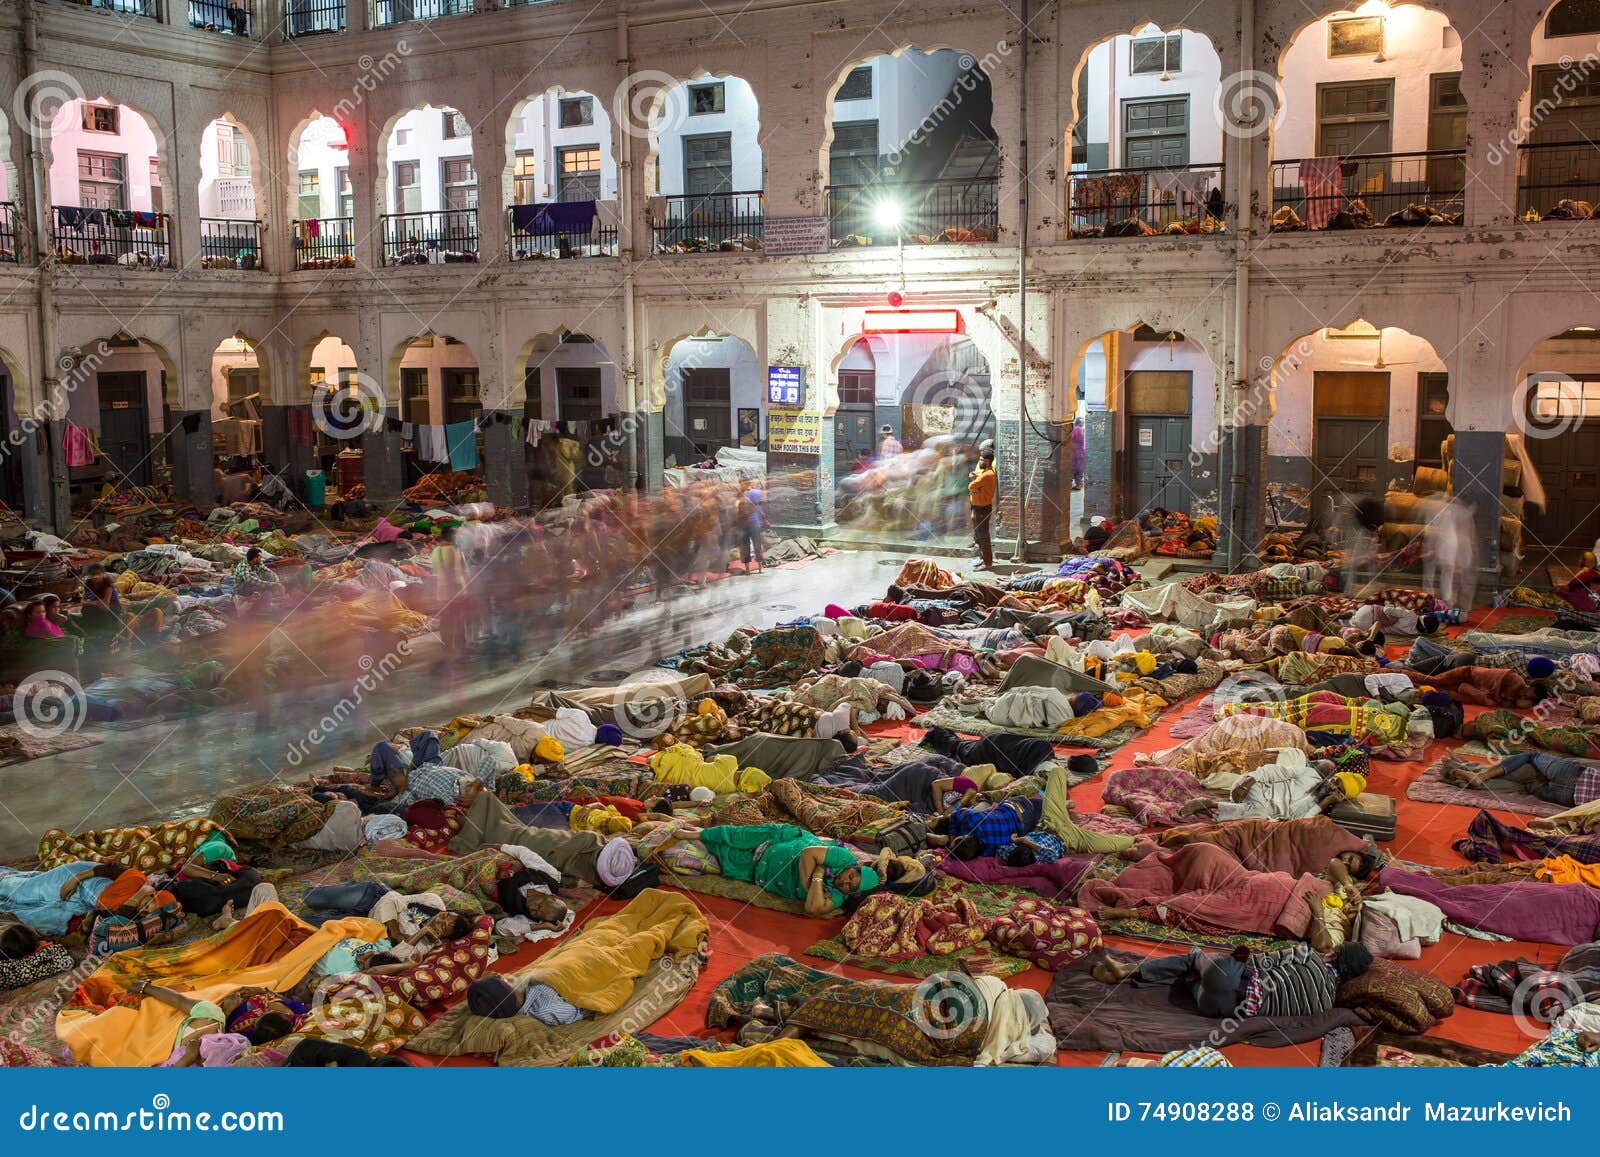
x=1449 y=567
x=981 y=494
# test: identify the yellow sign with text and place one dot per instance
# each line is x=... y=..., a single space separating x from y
x=791 y=432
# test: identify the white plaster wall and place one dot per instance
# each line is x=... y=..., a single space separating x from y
x=134 y=140
x=210 y=190
x=422 y=131
x=222 y=360
x=1545 y=50
x=1417 y=44
x=551 y=360
x=535 y=127
x=1405 y=355
x=747 y=378
x=1110 y=83
x=740 y=118
x=435 y=359
x=83 y=407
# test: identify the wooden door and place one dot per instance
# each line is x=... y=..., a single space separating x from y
x=1158 y=439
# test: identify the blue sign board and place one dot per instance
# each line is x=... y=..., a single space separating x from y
x=786 y=386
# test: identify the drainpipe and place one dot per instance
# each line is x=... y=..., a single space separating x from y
x=56 y=501
x=1238 y=477
x=630 y=365
x=1020 y=554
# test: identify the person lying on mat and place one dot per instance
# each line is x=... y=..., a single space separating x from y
x=791 y=862
x=1293 y=981
x=201 y=1018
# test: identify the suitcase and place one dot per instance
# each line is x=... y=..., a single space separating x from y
x=1369 y=815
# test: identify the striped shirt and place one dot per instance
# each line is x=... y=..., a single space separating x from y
x=1293 y=981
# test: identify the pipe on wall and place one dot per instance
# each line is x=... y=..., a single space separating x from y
x=1237 y=477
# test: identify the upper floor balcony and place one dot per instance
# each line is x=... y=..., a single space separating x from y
x=1364 y=191
x=958 y=209
x=8 y=231
x=310 y=17
x=325 y=243
x=1558 y=181
x=561 y=229
x=231 y=17
x=382 y=13
x=226 y=243
x=132 y=239
x=440 y=237
x=708 y=222
x=1141 y=202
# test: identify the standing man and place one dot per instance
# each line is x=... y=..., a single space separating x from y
x=980 y=492
x=1078 y=455
x=888 y=446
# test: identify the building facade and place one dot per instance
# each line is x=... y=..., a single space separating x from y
x=865 y=192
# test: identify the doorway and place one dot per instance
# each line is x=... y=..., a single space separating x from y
x=1157 y=440
x=124 y=425
x=707 y=396
x=1568 y=463
x=1351 y=436
x=1155 y=133
x=854 y=437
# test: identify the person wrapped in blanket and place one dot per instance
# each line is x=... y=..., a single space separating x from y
x=1292 y=787
x=1293 y=981
x=790 y=862
x=1027 y=829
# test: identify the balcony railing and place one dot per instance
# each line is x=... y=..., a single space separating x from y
x=126 y=237
x=1373 y=189
x=708 y=223
x=536 y=232
x=309 y=17
x=229 y=244
x=963 y=209
x=8 y=231
x=229 y=16
x=325 y=243
x=385 y=12
x=1548 y=174
x=150 y=8
x=1136 y=202
x=442 y=237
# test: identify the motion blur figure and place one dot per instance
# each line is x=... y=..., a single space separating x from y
x=1449 y=566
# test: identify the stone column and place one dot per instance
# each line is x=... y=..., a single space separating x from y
x=504 y=476
x=1476 y=479
x=192 y=475
x=382 y=466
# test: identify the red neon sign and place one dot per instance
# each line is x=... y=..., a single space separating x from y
x=911 y=321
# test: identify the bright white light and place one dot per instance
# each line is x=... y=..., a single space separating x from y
x=888 y=214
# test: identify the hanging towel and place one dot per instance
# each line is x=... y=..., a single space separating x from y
x=79 y=446
x=462 y=438
x=1321 y=179
x=430 y=443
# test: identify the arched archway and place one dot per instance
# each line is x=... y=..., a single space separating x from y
x=10 y=195
x=1556 y=411
x=559 y=163
x=910 y=150
x=705 y=165
x=569 y=383
x=1356 y=410
x=427 y=188
x=18 y=429
x=321 y=197
x=1144 y=144
x=1558 y=116
x=1371 y=120
x=708 y=377
x=125 y=388
x=108 y=181
x=1147 y=402
x=434 y=379
x=230 y=197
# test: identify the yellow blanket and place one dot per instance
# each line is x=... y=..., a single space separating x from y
x=681 y=763
x=1138 y=707
x=595 y=969
x=270 y=948
x=772 y=1054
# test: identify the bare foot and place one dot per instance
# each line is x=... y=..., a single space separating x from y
x=227 y=919
x=1195 y=807
x=1112 y=972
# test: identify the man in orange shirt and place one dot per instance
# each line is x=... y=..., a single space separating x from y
x=980 y=492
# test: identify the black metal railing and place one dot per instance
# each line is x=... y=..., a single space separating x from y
x=229 y=244
x=1128 y=202
x=310 y=17
x=544 y=241
x=440 y=237
x=1548 y=174
x=126 y=237
x=8 y=231
x=229 y=16
x=150 y=8
x=964 y=209
x=385 y=12
x=1372 y=189
x=325 y=243
x=708 y=223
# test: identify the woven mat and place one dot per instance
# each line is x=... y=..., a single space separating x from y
x=732 y=890
x=1430 y=787
x=1161 y=934
x=17 y=746
x=979 y=960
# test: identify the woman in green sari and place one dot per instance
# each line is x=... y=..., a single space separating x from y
x=790 y=862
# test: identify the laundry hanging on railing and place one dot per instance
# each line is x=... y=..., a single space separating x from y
x=1321 y=178
x=430 y=444
x=554 y=217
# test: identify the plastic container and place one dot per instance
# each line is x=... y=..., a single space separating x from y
x=316 y=488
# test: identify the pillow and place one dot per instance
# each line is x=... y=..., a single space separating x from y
x=1396 y=998
x=46 y=960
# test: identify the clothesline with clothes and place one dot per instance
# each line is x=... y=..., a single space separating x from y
x=78 y=217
